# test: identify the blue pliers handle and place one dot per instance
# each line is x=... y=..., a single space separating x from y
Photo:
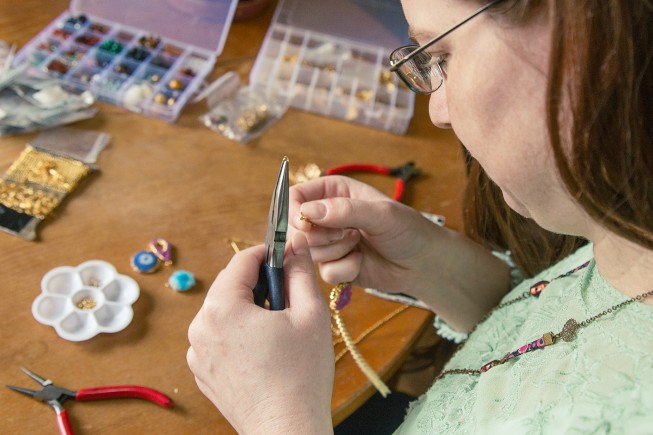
x=270 y=287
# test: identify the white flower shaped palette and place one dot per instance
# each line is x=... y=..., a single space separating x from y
x=81 y=302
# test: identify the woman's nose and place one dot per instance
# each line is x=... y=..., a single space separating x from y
x=438 y=108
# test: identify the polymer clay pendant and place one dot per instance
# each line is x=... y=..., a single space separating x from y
x=145 y=262
x=181 y=280
x=343 y=296
x=162 y=249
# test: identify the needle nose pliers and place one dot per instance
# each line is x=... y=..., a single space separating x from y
x=270 y=282
x=55 y=396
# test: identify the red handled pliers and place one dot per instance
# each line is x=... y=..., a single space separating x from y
x=403 y=173
x=56 y=396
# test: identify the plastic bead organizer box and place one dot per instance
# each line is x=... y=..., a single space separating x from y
x=149 y=56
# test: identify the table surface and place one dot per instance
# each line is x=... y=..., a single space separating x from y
x=185 y=183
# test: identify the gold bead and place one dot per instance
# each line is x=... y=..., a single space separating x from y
x=175 y=84
x=160 y=99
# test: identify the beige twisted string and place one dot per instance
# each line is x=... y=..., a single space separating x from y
x=349 y=343
x=369 y=330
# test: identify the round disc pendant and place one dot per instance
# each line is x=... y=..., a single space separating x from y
x=181 y=280
x=144 y=262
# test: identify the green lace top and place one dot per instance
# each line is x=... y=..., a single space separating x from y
x=601 y=382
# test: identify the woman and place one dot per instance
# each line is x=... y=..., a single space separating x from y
x=552 y=99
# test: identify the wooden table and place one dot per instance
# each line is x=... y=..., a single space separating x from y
x=191 y=186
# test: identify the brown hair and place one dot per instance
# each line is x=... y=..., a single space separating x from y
x=601 y=63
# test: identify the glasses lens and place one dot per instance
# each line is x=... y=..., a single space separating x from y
x=421 y=72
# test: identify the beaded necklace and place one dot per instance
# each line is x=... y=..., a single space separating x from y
x=567 y=334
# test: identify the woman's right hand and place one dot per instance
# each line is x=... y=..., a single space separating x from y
x=358 y=234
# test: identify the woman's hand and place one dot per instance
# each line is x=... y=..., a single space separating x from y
x=266 y=371
x=359 y=234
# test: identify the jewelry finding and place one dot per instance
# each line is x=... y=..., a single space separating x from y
x=87 y=303
x=162 y=249
x=29 y=200
x=176 y=85
x=251 y=120
x=145 y=262
x=53 y=172
x=305 y=219
x=181 y=280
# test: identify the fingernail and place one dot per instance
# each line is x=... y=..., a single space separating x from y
x=299 y=244
x=314 y=210
x=338 y=235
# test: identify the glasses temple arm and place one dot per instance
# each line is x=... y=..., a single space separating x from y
x=421 y=48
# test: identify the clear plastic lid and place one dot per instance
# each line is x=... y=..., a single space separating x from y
x=374 y=22
x=201 y=23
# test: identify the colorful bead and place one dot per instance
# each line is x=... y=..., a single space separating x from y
x=97 y=27
x=160 y=98
x=87 y=39
x=58 y=66
x=76 y=22
x=176 y=84
x=344 y=297
x=538 y=287
x=145 y=262
x=111 y=46
x=137 y=53
x=181 y=280
x=149 y=41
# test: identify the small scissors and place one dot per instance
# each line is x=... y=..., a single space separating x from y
x=56 y=396
x=270 y=280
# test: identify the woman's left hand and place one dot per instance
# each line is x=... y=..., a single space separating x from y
x=266 y=371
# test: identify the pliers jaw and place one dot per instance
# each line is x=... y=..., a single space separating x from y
x=275 y=238
x=54 y=396
x=49 y=393
x=406 y=171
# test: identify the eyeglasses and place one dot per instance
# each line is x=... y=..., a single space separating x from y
x=421 y=71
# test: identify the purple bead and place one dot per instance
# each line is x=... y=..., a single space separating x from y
x=344 y=297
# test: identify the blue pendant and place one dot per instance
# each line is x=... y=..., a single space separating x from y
x=181 y=280
x=145 y=262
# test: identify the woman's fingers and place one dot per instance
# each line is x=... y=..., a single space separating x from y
x=373 y=217
x=240 y=276
x=301 y=283
x=345 y=269
x=337 y=249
